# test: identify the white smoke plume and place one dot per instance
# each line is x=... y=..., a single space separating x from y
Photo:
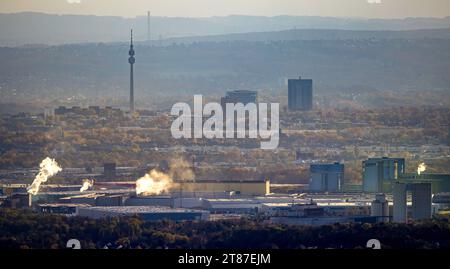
x=153 y=183
x=374 y=1
x=422 y=167
x=87 y=184
x=156 y=182
x=48 y=168
x=74 y=1
x=180 y=169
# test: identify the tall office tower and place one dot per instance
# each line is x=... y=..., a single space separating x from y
x=300 y=94
x=378 y=172
x=326 y=177
x=131 y=60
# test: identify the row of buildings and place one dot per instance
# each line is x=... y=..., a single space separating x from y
x=411 y=193
x=300 y=95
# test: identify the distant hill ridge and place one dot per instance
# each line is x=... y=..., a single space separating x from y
x=39 y=28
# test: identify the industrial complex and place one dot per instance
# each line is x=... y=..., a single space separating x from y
x=386 y=195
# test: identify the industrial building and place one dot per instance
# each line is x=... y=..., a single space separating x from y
x=379 y=173
x=154 y=200
x=380 y=208
x=442 y=201
x=148 y=213
x=109 y=170
x=300 y=94
x=63 y=209
x=233 y=206
x=314 y=221
x=440 y=183
x=246 y=188
x=292 y=210
x=19 y=200
x=421 y=201
x=326 y=177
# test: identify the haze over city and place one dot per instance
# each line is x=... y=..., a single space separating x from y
x=225 y=124
x=208 y=8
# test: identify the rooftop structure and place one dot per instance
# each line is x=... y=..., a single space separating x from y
x=149 y=213
x=379 y=173
x=326 y=177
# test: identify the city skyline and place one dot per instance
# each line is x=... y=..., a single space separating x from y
x=205 y=8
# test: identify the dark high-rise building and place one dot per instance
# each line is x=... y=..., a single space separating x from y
x=300 y=94
x=244 y=97
x=109 y=170
x=131 y=60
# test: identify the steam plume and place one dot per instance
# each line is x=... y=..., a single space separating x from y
x=180 y=169
x=87 y=184
x=153 y=183
x=48 y=168
x=422 y=167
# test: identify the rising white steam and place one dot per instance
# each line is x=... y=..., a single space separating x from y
x=422 y=167
x=87 y=184
x=153 y=183
x=48 y=168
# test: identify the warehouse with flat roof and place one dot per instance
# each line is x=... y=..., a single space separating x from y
x=148 y=213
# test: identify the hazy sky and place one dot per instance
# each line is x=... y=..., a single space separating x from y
x=206 y=8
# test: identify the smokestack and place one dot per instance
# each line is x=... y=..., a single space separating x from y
x=148 y=26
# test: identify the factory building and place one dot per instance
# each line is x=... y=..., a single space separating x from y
x=421 y=201
x=246 y=188
x=292 y=210
x=62 y=209
x=379 y=173
x=231 y=206
x=19 y=200
x=88 y=199
x=314 y=221
x=110 y=200
x=442 y=201
x=440 y=183
x=326 y=177
x=9 y=189
x=343 y=208
x=188 y=202
x=3 y=200
x=109 y=171
x=95 y=199
x=204 y=194
x=300 y=94
x=380 y=208
x=148 y=213
x=156 y=200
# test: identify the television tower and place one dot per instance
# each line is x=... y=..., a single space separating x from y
x=148 y=26
x=131 y=60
